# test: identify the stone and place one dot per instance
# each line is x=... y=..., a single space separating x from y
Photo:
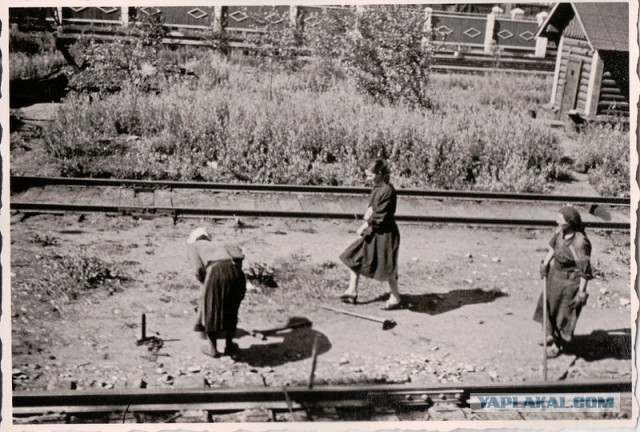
x=624 y=302
x=194 y=369
x=496 y=260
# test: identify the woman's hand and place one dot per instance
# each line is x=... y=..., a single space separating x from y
x=579 y=300
x=362 y=228
x=368 y=214
x=544 y=270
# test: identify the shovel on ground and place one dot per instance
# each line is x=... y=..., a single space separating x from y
x=293 y=323
x=386 y=323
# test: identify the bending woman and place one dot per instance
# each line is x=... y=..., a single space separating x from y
x=219 y=269
x=567 y=268
x=375 y=253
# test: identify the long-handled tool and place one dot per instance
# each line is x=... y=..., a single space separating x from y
x=293 y=323
x=386 y=323
x=544 y=328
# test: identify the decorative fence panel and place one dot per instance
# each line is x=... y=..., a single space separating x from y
x=459 y=29
x=189 y=17
x=470 y=32
x=99 y=15
x=515 y=33
x=252 y=17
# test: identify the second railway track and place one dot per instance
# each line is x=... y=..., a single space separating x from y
x=199 y=199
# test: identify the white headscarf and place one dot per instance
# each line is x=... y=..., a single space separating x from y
x=200 y=233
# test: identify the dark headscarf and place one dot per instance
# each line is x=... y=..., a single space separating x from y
x=572 y=216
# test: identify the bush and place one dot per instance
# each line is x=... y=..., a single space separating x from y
x=298 y=137
x=604 y=156
x=24 y=66
x=384 y=49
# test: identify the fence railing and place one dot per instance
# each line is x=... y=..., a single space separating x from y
x=455 y=31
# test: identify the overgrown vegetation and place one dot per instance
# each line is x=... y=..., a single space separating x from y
x=66 y=277
x=604 y=156
x=188 y=114
x=32 y=55
x=222 y=129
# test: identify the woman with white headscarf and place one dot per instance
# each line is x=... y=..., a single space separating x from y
x=219 y=268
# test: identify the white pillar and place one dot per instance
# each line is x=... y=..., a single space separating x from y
x=124 y=14
x=428 y=26
x=541 y=47
x=59 y=12
x=541 y=42
x=217 y=19
x=540 y=17
x=517 y=13
x=293 y=15
x=488 y=32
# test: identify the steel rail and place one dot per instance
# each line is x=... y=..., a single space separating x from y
x=176 y=212
x=18 y=183
x=288 y=398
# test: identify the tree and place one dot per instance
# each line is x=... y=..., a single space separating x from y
x=386 y=49
x=278 y=42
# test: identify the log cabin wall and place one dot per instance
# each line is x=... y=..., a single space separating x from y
x=574 y=72
x=614 y=89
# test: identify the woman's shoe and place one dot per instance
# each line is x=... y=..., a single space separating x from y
x=392 y=306
x=550 y=341
x=207 y=351
x=349 y=298
x=230 y=349
x=553 y=351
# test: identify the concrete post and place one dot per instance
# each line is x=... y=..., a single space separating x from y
x=293 y=15
x=217 y=19
x=516 y=13
x=541 y=42
x=428 y=26
x=488 y=32
x=59 y=12
x=540 y=17
x=124 y=13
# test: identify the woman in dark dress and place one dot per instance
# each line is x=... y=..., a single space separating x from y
x=219 y=268
x=567 y=269
x=375 y=253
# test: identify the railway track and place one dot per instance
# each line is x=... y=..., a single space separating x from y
x=398 y=398
x=20 y=184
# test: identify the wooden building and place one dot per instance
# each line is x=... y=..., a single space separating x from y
x=591 y=79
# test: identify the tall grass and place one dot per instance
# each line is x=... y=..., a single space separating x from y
x=307 y=128
x=604 y=155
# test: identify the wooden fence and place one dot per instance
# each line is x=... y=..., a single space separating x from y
x=509 y=33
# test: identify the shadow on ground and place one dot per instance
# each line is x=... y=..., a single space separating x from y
x=435 y=304
x=288 y=345
x=602 y=344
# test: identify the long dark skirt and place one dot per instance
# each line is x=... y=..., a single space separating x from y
x=562 y=287
x=374 y=256
x=224 y=288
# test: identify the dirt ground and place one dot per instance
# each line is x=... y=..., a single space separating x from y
x=80 y=285
x=470 y=296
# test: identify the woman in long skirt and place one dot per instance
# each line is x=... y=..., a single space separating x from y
x=567 y=268
x=375 y=253
x=219 y=269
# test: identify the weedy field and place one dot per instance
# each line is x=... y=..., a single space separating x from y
x=146 y=111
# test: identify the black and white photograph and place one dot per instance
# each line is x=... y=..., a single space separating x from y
x=305 y=216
